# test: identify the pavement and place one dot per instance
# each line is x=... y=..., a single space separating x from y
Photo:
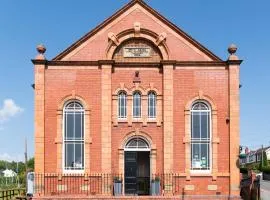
x=265 y=190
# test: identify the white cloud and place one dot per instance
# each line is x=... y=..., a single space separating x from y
x=9 y=110
x=8 y=157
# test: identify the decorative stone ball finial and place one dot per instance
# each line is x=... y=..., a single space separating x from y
x=232 y=49
x=41 y=49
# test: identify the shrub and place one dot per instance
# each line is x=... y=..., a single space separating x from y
x=266 y=169
x=243 y=170
x=117 y=179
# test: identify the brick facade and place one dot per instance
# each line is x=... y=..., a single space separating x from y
x=179 y=70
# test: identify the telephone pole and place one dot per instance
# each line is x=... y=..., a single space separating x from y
x=26 y=168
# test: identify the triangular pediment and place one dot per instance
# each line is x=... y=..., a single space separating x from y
x=94 y=44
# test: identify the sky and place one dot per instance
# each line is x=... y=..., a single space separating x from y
x=57 y=24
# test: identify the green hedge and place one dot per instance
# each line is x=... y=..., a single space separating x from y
x=266 y=169
x=243 y=170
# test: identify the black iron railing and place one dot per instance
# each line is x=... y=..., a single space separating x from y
x=104 y=184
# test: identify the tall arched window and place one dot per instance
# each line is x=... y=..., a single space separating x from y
x=137 y=105
x=73 y=136
x=152 y=100
x=200 y=136
x=122 y=105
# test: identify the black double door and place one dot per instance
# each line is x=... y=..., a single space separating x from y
x=137 y=173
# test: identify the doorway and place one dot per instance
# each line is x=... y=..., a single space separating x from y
x=137 y=168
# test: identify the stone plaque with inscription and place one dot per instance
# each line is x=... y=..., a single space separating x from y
x=137 y=52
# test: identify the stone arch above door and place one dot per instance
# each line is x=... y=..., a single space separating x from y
x=144 y=136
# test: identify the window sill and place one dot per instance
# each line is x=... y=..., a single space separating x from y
x=200 y=173
x=72 y=172
x=122 y=119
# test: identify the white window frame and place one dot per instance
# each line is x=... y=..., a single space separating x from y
x=199 y=141
x=74 y=171
x=137 y=117
x=152 y=95
x=118 y=102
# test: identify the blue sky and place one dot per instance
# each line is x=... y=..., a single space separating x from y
x=57 y=24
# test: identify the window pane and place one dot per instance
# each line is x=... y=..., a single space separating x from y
x=69 y=154
x=142 y=144
x=151 y=112
x=69 y=128
x=78 y=126
x=136 y=105
x=137 y=143
x=78 y=156
x=132 y=143
x=151 y=105
x=204 y=125
x=196 y=156
x=122 y=105
x=204 y=156
x=195 y=125
x=200 y=156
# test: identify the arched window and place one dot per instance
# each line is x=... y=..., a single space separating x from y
x=137 y=105
x=137 y=144
x=200 y=136
x=152 y=100
x=73 y=136
x=122 y=105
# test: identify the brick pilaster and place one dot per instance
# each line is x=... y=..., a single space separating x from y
x=234 y=128
x=39 y=117
x=106 y=122
x=168 y=117
x=233 y=67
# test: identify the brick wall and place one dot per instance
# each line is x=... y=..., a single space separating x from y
x=59 y=84
x=186 y=83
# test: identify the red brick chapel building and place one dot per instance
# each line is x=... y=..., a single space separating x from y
x=137 y=100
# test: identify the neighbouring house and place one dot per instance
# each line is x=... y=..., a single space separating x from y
x=137 y=107
x=9 y=173
x=251 y=157
x=267 y=151
x=254 y=156
x=259 y=153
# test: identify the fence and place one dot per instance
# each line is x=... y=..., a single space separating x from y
x=8 y=194
x=103 y=184
x=88 y=184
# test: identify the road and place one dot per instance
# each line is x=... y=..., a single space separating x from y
x=265 y=190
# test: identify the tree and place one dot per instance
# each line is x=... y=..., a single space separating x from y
x=264 y=162
x=31 y=164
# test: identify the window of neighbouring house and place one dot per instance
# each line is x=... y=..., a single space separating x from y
x=200 y=136
x=73 y=136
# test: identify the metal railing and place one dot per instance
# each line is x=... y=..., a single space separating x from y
x=88 y=184
x=103 y=184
